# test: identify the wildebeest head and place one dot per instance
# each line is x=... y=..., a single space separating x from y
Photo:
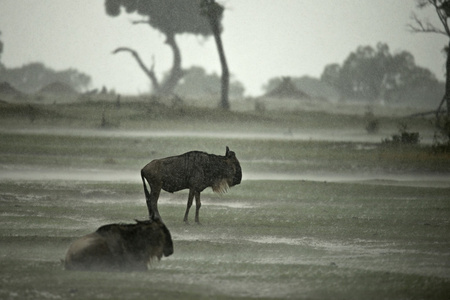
x=149 y=238
x=153 y=225
x=229 y=172
x=235 y=166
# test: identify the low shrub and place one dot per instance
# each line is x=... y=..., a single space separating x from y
x=403 y=137
x=372 y=123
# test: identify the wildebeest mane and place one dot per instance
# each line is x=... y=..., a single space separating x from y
x=123 y=226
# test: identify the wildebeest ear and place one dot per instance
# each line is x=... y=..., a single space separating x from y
x=229 y=154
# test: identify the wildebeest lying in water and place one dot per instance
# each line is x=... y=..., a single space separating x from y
x=120 y=247
x=193 y=170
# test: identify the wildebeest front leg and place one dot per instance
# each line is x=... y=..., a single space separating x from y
x=189 y=204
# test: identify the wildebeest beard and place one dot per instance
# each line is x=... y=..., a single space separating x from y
x=193 y=170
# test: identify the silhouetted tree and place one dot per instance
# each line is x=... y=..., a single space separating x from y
x=214 y=12
x=376 y=74
x=170 y=17
x=285 y=88
x=331 y=75
x=442 y=8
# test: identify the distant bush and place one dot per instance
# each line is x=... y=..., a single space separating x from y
x=403 y=137
x=373 y=126
x=372 y=123
x=260 y=107
x=106 y=123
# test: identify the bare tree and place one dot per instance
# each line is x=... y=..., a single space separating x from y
x=214 y=11
x=442 y=8
x=170 y=17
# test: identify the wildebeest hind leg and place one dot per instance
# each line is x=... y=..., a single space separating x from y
x=198 y=204
x=151 y=198
x=189 y=204
x=152 y=203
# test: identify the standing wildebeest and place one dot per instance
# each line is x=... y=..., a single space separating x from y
x=120 y=247
x=193 y=170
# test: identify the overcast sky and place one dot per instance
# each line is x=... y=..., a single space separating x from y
x=262 y=39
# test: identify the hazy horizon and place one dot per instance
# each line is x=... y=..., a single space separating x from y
x=262 y=39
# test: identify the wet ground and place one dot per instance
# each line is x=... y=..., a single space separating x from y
x=285 y=232
x=333 y=240
x=30 y=173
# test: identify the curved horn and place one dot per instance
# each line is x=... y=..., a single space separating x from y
x=228 y=150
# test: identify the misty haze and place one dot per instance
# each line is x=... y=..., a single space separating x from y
x=324 y=149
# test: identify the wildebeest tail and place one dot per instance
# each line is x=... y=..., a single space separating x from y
x=146 y=192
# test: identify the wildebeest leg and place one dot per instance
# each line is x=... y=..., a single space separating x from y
x=151 y=198
x=189 y=204
x=152 y=202
x=198 y=204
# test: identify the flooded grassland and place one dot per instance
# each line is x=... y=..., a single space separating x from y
x=313 y=218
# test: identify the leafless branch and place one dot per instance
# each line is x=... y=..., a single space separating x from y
x=140 y=22
x=419 y=26
x=149 y=72
x=442 y=14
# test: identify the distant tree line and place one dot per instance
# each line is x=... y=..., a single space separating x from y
x=367 y=74
x=313 y=87
x=32 y=77
x=375 y=74
x=196 y=83
x=372 y=74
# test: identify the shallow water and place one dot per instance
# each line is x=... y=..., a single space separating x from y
x=348 y=135
x=29 y=173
